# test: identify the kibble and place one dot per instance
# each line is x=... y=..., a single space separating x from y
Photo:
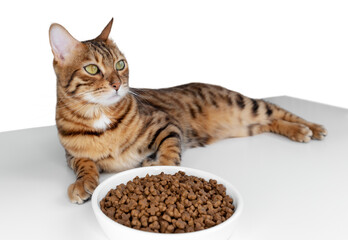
x=168 y=203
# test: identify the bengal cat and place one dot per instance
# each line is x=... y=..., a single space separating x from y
x=104 y=125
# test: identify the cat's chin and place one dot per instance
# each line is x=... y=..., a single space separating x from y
x=108 y=98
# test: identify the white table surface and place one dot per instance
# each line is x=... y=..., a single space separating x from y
x=291 y=190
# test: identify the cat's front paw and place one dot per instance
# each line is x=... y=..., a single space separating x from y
x=148 y=162
x=80 y=191
x=319 y=132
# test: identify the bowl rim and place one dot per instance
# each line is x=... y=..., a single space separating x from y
x=237 y=195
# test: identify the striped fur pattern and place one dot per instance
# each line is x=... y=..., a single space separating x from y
x=104 y=128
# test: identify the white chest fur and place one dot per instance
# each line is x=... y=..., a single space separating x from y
x=102 y=123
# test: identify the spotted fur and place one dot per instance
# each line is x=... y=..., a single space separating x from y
x=103 y=129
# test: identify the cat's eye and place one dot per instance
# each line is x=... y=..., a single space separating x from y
x=120 y=65
x=92 y=69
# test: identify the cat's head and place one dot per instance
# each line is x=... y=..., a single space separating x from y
x=94 y=71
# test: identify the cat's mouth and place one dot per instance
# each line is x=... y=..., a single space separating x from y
x=107 y=98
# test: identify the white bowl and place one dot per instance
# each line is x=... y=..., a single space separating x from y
x=116 y=231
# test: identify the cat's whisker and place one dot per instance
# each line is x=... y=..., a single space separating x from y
x=138 y=98
x=130 y=91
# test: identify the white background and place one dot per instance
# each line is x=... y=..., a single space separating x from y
x=259 y=48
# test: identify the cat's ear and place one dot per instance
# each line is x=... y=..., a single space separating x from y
x=105 y=33
x=62 y=43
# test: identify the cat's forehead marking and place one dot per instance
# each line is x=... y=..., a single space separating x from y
x=102 y=52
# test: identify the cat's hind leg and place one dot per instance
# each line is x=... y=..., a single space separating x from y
x=294 y=131
x=318 y=131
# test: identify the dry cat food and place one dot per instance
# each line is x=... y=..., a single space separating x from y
x=167 y=203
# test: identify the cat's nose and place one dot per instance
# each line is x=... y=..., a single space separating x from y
x=116 y=85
